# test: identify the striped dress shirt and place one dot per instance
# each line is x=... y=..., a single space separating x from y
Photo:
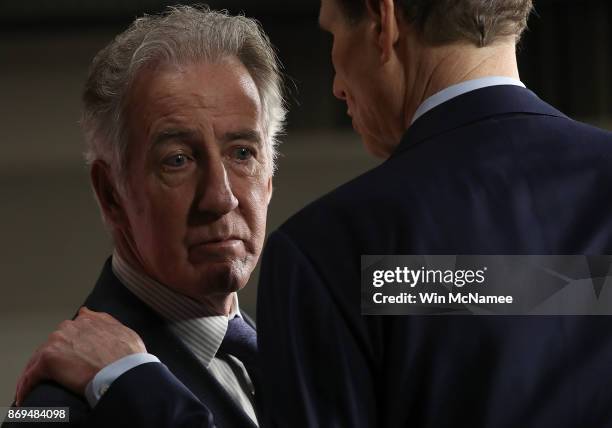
x=201 y=331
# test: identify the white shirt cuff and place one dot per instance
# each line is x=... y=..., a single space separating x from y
x=105 y=377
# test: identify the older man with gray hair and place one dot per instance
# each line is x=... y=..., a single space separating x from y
x=181 y=114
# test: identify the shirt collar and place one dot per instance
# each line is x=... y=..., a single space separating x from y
x=460 y=89
x=201 y=330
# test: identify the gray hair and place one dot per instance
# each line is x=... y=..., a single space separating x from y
x=480 y=22
x=179 y=36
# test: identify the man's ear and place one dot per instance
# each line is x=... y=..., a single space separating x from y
x=383 y=12
x=270 y=189
x=106 y=191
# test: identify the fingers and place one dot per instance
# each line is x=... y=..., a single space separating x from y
x=31 y=376
x=23 y=383
x=34 y=371
x=77 y=350
x=86 y=313
x=63 y=330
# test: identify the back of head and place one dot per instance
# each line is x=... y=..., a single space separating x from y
x=480 y=22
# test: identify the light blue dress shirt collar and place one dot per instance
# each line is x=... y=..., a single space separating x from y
x=461 y=88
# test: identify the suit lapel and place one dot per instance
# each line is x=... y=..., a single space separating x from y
x=111 y=296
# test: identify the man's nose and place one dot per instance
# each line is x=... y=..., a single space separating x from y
x=338 y=88
x=216 y=196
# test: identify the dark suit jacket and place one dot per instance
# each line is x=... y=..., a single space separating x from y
x=198 y=389
x=494 y=171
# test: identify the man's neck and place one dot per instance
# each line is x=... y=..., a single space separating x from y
x=445 y=66
x=220 y=304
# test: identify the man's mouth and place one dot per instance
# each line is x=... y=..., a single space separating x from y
x=217 y=251
x=220 y=246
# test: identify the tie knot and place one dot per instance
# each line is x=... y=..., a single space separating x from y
x=240 y=340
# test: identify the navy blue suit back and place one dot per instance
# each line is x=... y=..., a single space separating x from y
x=494 y=171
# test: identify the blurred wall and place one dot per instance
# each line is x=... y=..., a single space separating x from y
x=54 y=241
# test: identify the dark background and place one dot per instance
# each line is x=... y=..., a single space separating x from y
x=53 y=243
x=565 y=56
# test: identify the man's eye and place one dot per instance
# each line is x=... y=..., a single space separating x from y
x=243 y=153
x=176 y=161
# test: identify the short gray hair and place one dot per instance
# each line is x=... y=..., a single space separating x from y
x=180 y=36
x=480 y=22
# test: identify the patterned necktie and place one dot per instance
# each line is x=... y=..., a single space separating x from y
x=241 y=341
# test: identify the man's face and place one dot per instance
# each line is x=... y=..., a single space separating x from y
x=199 y=177
x=360 y=80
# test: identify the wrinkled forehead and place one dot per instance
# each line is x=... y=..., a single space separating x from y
x=223 y=88
x=224 y=79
